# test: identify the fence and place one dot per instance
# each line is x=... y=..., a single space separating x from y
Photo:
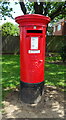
x=10 y=44
x=55 y=43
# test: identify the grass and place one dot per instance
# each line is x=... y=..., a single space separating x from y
x=10 y=73
x=11 y=70
x=54 y=73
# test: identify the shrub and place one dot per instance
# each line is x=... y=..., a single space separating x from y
x=63 y=53
x=10 y=29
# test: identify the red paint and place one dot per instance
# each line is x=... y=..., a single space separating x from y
x=32 y=64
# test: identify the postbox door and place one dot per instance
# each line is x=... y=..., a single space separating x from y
x=36 y=59
x=33 y=53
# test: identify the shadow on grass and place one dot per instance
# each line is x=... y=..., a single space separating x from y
x=54 y=74
x=10 y=72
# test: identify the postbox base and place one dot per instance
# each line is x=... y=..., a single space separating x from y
x=31 y=93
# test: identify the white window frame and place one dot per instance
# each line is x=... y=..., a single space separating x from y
x=59 y=27
x=54 y=29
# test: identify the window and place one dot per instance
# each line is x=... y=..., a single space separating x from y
x=54 y=29
x=59 y=27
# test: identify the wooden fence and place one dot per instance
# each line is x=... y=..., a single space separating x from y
x=11 y=44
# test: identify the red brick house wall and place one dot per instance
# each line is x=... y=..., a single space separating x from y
x=62 y=30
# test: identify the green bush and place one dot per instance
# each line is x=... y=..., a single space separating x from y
x=63 y=53
x=9 y=29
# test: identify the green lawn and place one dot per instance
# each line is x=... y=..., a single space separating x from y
x=10 y=71
x=54 y=73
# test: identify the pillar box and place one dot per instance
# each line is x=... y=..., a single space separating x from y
x=32 y=55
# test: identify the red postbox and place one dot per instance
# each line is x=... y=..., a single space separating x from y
x=32 y=49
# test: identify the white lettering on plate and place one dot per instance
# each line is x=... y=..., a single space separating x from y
x=33 y=51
